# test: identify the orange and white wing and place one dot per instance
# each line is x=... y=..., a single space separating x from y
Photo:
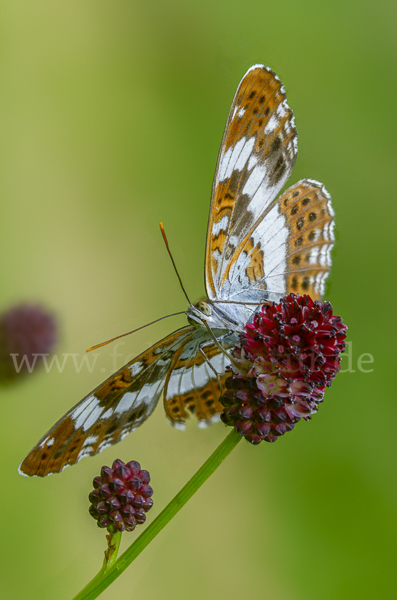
x=257 y=154
x=258 y=248
x=289 y=250
x=111 y=411
x=192 y=386
x=302 y=265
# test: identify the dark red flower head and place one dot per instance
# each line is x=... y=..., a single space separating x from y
x=300 y=337
x=28 y=332
x=287 y=356
x=122 y=496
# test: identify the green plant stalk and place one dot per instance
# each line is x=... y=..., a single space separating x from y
x=114 y=540
x=106 y=576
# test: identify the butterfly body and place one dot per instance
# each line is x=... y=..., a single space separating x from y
x=260 y=247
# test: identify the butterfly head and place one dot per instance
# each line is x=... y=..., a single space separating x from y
x=204 y=307
x=199 y=312
x=204 y=311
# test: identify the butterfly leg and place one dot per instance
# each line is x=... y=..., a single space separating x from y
x=225 y=335
x=201 y=350
x=203 y=354
x=222 y=337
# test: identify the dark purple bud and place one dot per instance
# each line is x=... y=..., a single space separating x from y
x=134 y=483
x=106 y=474
x=130 y=523
x=119 y=495
x=115 y=516
x=116 y=485
x=144 y=476
x=102 y=508
x=105 y=491
x=146 y=491
x=113 y=503
x=126 y=496
x=97 y=482
x=134 y=467
x=138 y=501
x=94 y=497
x=140 y=516
x=128 y=510
x=104 y=521
x=148 y=504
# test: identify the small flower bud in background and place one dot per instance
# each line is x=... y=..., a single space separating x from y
x=288 y=355
x=122 y=496
x=27 y=331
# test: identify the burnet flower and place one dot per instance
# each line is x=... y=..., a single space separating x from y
x=287 y=357
x=121 y=496
x=27 y=332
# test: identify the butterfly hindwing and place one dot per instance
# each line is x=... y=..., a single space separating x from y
x=192 y=386
x=110 y=412
x=288 y=250
x=307 y=210
x=257 y=155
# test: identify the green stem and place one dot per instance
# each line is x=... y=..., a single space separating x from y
x=107 y=576
x=114 y=540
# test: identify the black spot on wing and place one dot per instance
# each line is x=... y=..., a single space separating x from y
x=299 y=241
x=276 y=145
x=278 y=171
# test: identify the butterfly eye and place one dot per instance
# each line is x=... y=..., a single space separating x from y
x=204 y=308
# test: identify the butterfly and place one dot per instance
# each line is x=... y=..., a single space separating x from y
x=259 y=248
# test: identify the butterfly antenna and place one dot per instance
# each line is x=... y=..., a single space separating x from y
x=134 y=330
x=173 y=262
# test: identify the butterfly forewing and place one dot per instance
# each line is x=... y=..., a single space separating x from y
x=257 y=155
x=112 y=410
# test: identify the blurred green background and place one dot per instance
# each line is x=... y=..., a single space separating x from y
x=112 y=115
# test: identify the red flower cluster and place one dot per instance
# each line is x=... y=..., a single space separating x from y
x=27 y=331
x=288 y=355
x=122 y=496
